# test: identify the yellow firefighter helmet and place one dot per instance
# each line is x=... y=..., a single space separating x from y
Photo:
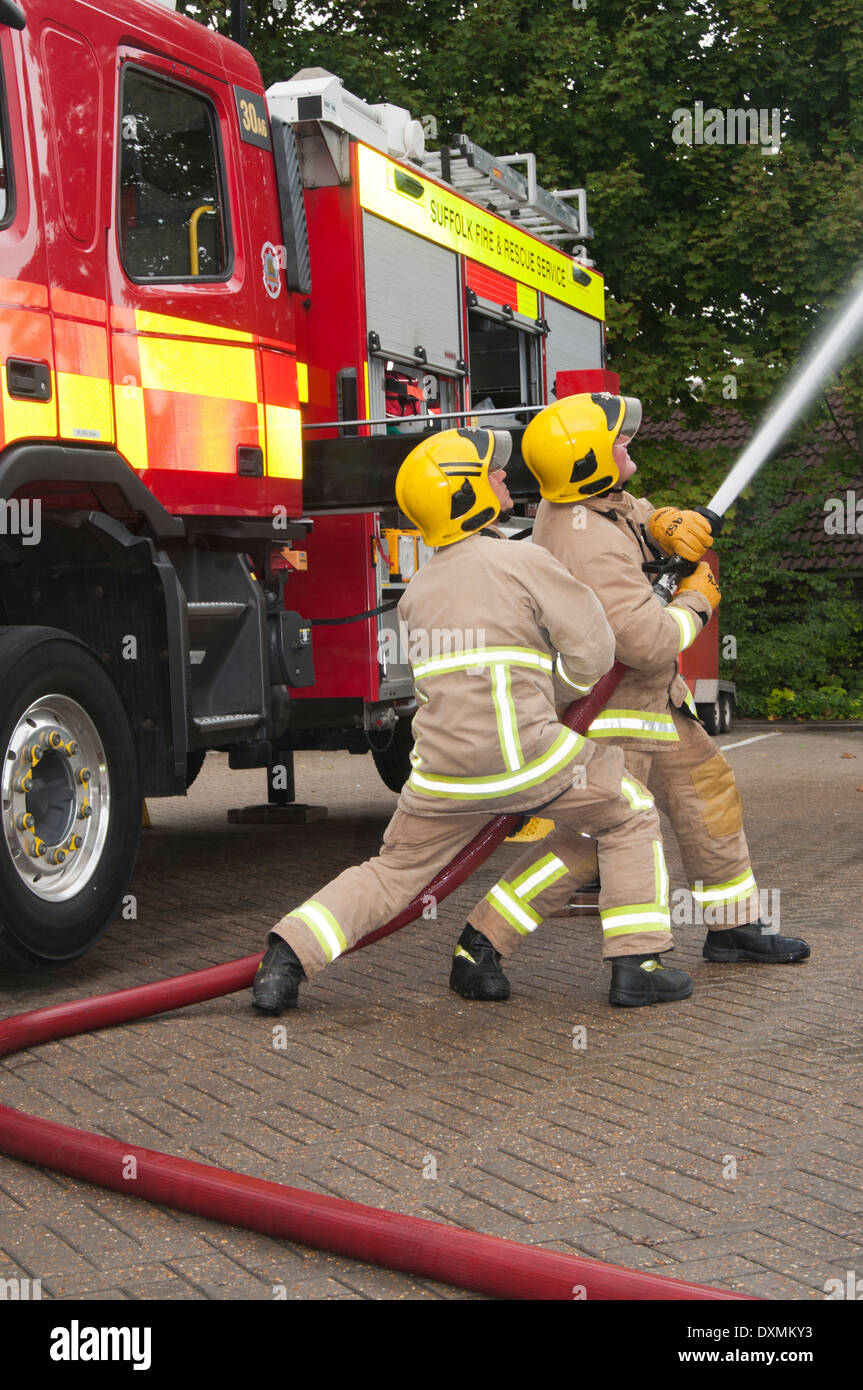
x=443 y=485
x=568 y=446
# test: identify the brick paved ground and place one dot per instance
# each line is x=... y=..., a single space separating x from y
x=620 y=1150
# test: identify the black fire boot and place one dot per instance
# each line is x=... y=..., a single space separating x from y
x=277 y=982
x=476 y=972
x=754 y=941
x=637 y=980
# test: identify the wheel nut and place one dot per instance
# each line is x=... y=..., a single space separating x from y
x=38 y=753
x=86 y=811
x=58 y=856
x=25 y=783
x=25 y=821
x=37 y=849
x=84 y=774
x=71 y=748
x=75 y=843
x=54 y=739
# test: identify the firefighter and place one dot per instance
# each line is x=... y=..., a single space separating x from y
x=578 y=451
x=490 y=626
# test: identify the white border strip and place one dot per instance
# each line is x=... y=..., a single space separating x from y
x=743 y=742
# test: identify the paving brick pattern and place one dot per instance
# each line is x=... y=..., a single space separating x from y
x=717 y=1140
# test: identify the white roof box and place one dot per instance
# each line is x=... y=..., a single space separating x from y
x=317 y=95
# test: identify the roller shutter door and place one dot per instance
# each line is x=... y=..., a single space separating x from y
x=574 y=341
x=412 y=293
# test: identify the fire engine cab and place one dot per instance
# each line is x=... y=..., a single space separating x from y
x=225 y=317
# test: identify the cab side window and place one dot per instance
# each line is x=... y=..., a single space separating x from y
x=172 y=221
x=5 y=172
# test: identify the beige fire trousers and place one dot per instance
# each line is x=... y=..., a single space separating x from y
x=694 y=785
x=603 y=801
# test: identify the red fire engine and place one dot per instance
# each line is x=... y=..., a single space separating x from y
x=224 y=316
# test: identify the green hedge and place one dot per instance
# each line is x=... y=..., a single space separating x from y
x=798 y=633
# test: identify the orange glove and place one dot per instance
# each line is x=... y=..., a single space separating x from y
x=702 y=582
x=680 y=533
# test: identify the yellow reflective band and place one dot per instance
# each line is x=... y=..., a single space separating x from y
x=477 y=658
x=567 y=680
x=504 y=709
x=131 y=424
x=302 y=383
x=440 y=215
x=324 y=926
x=686 y=623
x=735 y=888
x=519 y=915
x=623 y=921
x=198 y=369
x=539 y=876
x=633 y=723
x=562 y=751
x=27 y=419
x=527 y=302
x=85 y=407
x=284 y=442
x=638 y=799
x=147 y=322
x=660 y=875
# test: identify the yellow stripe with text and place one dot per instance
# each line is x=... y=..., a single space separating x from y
x=442 y=216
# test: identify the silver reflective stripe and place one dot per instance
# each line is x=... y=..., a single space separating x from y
x=324 y=926
x=546 y=872
x=658 y=726
x=480 y=657
x=567 y=680
x=739 y=887
x=562 y=750
x=506 y=720
x=686 y=623
x=509 y=906
x=638 y=798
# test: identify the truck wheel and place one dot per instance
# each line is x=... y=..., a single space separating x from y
x=709 y=716
x=393 y=762
x=726 y=713
x=69 y=798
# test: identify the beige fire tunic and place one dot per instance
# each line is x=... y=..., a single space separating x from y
x=496 y=632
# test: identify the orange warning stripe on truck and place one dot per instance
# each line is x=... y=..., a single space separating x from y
x=215 y=389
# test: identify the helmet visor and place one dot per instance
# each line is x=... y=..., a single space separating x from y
x=631 y=418
x=502 y=450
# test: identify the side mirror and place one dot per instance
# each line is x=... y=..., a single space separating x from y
x=11 y=15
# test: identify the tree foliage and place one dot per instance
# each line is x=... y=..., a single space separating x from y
x=719 y=259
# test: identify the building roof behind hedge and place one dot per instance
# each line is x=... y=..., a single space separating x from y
x=727 y=430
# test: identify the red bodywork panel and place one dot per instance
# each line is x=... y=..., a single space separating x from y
x=331 y=331
x=146 y=385
x=340 y=580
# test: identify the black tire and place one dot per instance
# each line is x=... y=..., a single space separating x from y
x=726 y=712
x=53 y=909
x=709 y=716
x=393 y=762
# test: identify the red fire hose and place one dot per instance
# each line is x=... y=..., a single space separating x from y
x=429 y=1249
